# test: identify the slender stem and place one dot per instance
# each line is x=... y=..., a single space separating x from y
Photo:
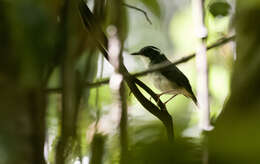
x=101 y=82
x=138 y=9
x=162 y=66
x=158 y=67
x=202 y=69
x=202 y=65
x=66 y=90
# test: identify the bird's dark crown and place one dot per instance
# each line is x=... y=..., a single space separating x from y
x=148 y=51
x=153 y=53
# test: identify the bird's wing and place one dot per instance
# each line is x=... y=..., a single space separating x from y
x=172 y=73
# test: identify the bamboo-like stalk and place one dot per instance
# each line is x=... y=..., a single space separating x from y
x=118 y=87
x=202 y=67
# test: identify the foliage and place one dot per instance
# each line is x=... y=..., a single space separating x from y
x=219 y=8
x=55 y=110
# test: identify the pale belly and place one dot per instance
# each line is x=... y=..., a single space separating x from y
x=163 y=84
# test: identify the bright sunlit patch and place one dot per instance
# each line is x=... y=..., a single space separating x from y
x=115 y=81
x=85 y=160
x=182 y=32
x=193 y=131
x=219 y=82
x=219 y=79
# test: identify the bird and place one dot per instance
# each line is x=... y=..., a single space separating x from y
x=169 y=80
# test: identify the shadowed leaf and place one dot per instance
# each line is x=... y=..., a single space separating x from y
x=219 y=9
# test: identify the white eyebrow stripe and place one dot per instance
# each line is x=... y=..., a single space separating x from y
x=156 y=49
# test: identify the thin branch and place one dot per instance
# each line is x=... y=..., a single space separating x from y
x=162 y=66
x=182 y=60
x=138 y=9
x=158 y=67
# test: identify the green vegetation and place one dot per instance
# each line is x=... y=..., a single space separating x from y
x=68 y=94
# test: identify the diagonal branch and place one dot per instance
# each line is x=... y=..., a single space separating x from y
x=161 y=114
x=136 y=8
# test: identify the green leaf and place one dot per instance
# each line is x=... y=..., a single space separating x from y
x=153 y=5
x=219 y=8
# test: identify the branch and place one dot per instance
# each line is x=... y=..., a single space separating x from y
x=135 y=8
x=137 y=81
x=161 y=114
x=162 y=66
x=149 y=91
x=158 y=67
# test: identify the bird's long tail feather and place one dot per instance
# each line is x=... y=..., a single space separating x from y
x=194 y=99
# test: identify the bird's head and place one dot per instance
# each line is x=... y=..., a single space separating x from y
x=149 y=51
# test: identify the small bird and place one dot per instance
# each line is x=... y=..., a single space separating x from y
x=169 y=80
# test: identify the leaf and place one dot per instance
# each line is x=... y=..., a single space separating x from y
x=219 y=8
x=153 y=5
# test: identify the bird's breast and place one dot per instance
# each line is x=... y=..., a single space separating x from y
x=163 y=84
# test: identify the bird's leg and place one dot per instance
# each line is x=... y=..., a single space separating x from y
x=169 y=99
x=169 y=91
x=159 y=95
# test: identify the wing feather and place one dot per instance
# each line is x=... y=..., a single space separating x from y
x=172 y=73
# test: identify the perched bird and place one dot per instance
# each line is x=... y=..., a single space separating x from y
x=169 y=80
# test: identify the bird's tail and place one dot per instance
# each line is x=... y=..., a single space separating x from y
x=191 y=95
x=194 y=99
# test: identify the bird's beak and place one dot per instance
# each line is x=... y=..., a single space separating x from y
x=136 y=53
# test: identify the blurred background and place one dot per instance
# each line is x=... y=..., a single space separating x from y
x=53 y=108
